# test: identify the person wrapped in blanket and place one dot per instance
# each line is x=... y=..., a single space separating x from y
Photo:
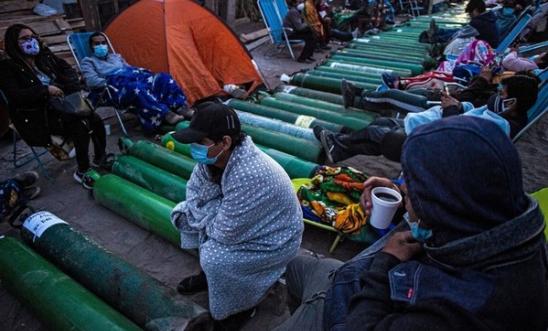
x=156 y=97
x=333 y=198
x=16 y=192
x=507 y=108
x=240 y=212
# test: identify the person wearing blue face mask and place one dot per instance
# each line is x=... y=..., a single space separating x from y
x=157 y=98
x=470 y=254
x=31 y=78
x=241 y=213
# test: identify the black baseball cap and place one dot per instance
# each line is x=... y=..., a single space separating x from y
x=210 y=120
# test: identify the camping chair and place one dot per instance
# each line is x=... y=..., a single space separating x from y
x=539 y=109
x=413 y=7
x=18 y=162
x=522 y=21
x=79 y=46
x=273 y=13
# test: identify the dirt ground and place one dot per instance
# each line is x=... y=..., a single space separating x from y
x=62 y=196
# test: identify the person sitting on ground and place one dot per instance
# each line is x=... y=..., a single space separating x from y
x=240 y=212
x=157 y=97
x=470 y=256
x=483 y=21
x=298 y=29
x=16 y=192
x=385 y=135
x=32 y=78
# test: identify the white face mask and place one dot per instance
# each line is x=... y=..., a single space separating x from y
x=300 y=7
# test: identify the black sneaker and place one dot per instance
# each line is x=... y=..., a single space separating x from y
x=348 y=92
x=235 y=322
x=27 y=179
x=193 y=284
x=331 y=147
x=81 y=178
x=104 y=161
x=317 y=130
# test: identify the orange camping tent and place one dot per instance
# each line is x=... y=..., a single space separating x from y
x=186 y=40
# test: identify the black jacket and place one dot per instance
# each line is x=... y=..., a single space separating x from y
x=486 y=24
x=28 y=97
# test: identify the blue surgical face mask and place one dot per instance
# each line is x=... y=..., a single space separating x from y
x=418 y=233
x=199 y=154
x=31 y=47
x=100 y=50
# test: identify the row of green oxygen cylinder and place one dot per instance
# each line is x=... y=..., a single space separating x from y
x=397 y=51
x=72 y=283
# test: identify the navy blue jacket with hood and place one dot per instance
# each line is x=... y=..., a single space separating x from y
x=485 y=266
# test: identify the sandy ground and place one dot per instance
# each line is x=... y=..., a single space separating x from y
x=65 y=198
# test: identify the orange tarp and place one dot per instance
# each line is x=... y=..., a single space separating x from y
x=186 y=40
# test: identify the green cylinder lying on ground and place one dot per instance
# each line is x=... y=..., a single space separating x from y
x=415 y=68
x=364 y=68
x=348 y=120
x=138 y=205
x=280 y=114
x=295 y=167
x=304 y=149
x=318 y=104
x=56 y=299
x=150 y=177
x=325 y=68
x=348 y=77
x=140 y=297
x=313 y=94
x=326 y=84
x=375 y=55
x=159 y=156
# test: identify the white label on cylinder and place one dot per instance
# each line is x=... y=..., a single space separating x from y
x=304 y=121
x=39 y=222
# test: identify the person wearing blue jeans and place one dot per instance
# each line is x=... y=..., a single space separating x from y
x=385 y=136
x=471 y=254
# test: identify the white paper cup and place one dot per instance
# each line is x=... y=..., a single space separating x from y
x=383 y=210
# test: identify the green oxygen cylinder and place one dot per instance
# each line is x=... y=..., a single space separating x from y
x=295 y=167
x=159 y=156
x=138 y=296
x=57 y=300
x=282 y=115
x=138 y=205
x=304 y=149
x=347 y=120
x=150 y=177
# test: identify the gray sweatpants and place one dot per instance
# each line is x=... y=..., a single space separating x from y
x=308 y=279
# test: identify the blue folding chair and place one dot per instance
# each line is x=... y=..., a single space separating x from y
x=539 y=109
x=537 y=48
x=79 y=46
x=18 y=162
x=273 y=13
x=516 y=30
